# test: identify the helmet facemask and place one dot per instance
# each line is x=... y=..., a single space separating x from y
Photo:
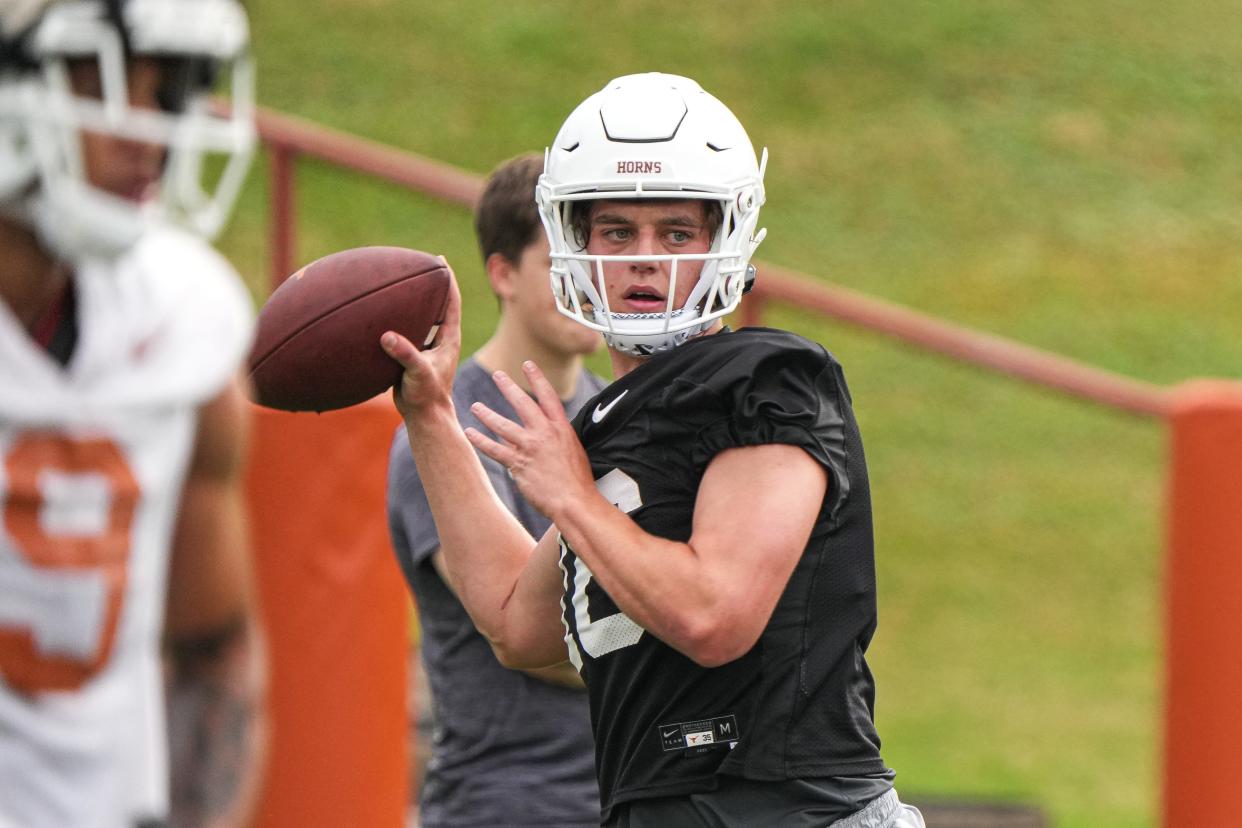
x=201 y=47
x=652 y=137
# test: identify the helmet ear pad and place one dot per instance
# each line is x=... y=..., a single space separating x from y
x=651 y=136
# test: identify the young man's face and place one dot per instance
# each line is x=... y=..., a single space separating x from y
x=532 y=301
x=657 y=227
x=123 y=167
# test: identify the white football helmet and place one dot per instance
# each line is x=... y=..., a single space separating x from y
x=208 y=145
x=652 y=136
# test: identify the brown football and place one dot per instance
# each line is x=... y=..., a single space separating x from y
x=316 y=345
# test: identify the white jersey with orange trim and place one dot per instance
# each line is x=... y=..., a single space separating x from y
x=93 y=456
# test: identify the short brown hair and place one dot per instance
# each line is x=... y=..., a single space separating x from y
x=506 y=220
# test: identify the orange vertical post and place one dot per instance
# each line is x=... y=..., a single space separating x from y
x=337 y=618
x=1203 y=680
x=282 y=213
x=750 y=313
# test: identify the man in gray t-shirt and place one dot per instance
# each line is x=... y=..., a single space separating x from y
x=509 y=747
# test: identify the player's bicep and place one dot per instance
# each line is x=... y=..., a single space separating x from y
x=753 y=516
x=534 y=635
x=562 y=673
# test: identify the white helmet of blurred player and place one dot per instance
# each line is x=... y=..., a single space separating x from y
x=652 y=136
x=203 y=45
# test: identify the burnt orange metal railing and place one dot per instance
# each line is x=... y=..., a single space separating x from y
x=288 y=138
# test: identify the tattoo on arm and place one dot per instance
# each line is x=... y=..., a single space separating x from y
x=215 y=727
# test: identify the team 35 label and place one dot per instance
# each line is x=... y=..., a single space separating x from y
x=700 y=736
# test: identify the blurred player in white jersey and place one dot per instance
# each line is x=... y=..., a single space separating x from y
x=122 y=419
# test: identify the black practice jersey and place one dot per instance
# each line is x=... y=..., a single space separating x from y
x=800 y=703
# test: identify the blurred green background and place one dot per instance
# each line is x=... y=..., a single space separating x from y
x=1066 y=174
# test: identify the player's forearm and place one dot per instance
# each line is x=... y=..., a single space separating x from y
x=661 y=585
x=485 y=548
x=711 y=597
x=218 y=726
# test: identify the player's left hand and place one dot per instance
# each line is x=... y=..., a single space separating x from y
x=542 y=453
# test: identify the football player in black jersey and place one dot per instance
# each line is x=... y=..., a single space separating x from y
x=710 y=566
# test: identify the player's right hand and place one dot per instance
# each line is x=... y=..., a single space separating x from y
x=427 y=380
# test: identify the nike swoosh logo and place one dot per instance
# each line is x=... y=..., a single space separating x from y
x=601 y=411
x=671 y=733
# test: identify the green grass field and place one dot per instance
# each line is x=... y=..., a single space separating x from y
x=1065 y=174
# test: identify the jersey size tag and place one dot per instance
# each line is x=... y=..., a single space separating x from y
x=701 y=736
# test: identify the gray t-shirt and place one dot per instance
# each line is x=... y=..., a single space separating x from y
x=507 y=748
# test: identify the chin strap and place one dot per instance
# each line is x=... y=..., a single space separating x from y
x=645 y=343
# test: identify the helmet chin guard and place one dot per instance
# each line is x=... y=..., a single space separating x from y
x=43 y=178
x=652 y=136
